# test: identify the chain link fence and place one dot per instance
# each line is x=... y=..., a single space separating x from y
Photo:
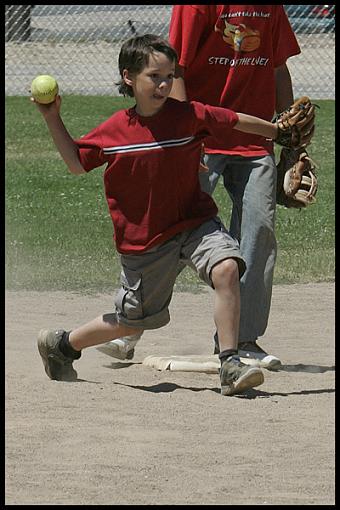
x=79 y=45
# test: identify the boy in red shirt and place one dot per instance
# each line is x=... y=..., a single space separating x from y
x=160 y=215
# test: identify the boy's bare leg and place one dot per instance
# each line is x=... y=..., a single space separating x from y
x=225 y=278
x=99 y=330
x=235 y=376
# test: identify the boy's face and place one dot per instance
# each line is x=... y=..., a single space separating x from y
x=153 y=84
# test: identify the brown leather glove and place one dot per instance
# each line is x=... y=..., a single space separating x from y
x=297 y=183
x=296 y=125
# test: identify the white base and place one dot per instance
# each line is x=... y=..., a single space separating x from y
x=193 y=363
x=204 y=363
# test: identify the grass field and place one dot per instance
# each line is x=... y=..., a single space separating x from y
x=58 y=230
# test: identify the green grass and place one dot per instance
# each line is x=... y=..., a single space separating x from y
x=58 y=230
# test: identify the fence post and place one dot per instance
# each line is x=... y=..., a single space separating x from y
x=18 y=22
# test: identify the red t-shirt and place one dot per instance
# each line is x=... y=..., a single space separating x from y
x=229 y=53
x=151 y=178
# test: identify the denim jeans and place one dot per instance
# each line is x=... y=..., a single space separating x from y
x=251 y=185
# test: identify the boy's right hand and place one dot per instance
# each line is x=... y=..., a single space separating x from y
x=49 y=109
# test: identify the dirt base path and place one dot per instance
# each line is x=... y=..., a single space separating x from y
x=129 y=434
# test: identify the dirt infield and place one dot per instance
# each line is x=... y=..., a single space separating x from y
x=125 y=433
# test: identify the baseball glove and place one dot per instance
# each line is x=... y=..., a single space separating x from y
x=297 y=183
x=296 y=124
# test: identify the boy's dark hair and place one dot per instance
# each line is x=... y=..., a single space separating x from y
x=134 y=56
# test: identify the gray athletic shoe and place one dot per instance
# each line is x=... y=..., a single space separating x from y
x=121 y=348
x=114 y=351
x=57 y=366
x=252 y=354
x=237 y=377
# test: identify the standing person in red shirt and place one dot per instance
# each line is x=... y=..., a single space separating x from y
x=234 y=56
x=161 y=217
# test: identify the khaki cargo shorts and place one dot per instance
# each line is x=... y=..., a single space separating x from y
x=147 y=279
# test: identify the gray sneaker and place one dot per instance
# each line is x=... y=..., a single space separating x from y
x=121 y=348
x=57 y=366
x=252 y=354
x=237 y=377
x=115 y=350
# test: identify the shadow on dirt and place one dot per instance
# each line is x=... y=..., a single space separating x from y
x=249 y=394
x=312 y=369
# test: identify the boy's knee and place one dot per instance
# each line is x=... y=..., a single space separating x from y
x=225 y=273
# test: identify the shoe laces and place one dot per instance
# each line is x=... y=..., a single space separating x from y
x=230 y=369
x=64 y=361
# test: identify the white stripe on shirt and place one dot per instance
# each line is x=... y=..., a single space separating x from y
x=147 y=146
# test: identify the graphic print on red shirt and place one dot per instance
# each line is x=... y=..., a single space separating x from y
x=229 y=53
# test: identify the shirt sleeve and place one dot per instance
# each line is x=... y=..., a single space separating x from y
x=90 y=150
x=187 y=24
x=285 y=44
x=213 y=121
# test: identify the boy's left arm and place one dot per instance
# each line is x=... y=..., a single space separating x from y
x=293 y=128
x=256 y=126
